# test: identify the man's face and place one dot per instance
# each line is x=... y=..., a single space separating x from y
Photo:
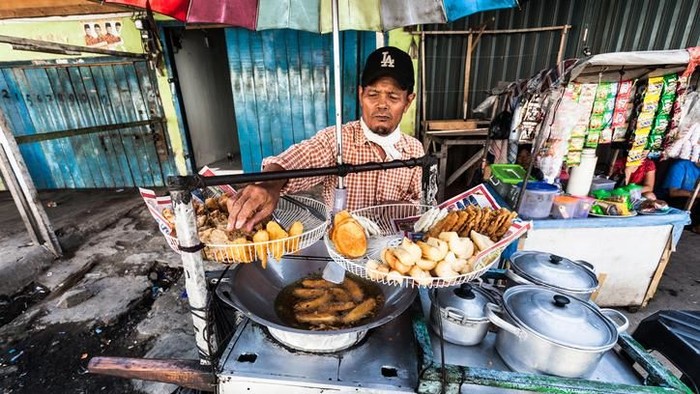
x=98 y=30
x=383 y=104
x=108 y=29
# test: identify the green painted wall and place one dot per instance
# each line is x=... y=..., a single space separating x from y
x=401 y=39
x=70 y=30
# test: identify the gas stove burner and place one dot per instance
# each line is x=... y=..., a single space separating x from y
x=313 y=346
x=255 y=360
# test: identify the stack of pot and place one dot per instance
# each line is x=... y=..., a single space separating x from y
x=547 y=323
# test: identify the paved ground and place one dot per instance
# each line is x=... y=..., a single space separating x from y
x=119 y=291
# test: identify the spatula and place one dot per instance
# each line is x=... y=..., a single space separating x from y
x=333 y=272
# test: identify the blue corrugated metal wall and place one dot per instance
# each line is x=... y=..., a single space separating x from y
x=57 y=114
x=282 y=86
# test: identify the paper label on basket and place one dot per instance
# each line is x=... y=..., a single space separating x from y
x=478 y=195
x=160 y=206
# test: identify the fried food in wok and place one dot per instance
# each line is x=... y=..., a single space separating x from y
x=315 y=304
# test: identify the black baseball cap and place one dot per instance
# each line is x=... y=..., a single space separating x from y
x=389 y=62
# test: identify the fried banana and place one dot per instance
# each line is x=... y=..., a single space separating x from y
x=353 y=289
x=360 y=312
x=337 y=307
x=261 y=250
x=317 y=283
x=340 y=294
x=301 y=292
x=313 y=304
x=316 y=318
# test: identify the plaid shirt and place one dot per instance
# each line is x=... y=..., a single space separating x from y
x=364 y=189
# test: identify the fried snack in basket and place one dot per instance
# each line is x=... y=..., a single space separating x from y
x=348 y=236
x=276 y=232
x=261 y=250
x=295 y=230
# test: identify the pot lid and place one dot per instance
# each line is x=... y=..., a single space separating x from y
x=562 y=319
x=552 y=270
x=468 y=298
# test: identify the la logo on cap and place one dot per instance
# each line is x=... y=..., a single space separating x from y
x=387 y=60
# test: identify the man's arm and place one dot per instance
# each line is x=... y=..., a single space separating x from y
x=675 y=192
x=254 y=202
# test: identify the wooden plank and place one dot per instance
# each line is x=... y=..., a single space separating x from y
x=37 y=8
x=148 y=140
x=452 y=124
x=467 y=165
x=186 y=373
x=116 y=84
x=20 y=202
x=45 y=120
x=321 y=73
x=296 y=88
x=19 y=121
x=71 y=117
x=28 y=193
x=271 y=127
x=112 y=141
x=235 y=71
x=98 y=116
x=91 y=152
x=658 y=274
x=53 y=47
x=134 y=109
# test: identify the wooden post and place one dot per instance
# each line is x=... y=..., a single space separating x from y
x=24 y=192
x=467 y=72
x=423 y=93
x=562 y=42
x=195 y=281
x=663 y=262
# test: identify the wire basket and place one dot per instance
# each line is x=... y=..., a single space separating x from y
x=391 y=219
x=289 y=210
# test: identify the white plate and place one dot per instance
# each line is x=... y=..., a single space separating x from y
x=632 y=213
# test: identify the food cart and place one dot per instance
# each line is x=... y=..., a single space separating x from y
x=244 y=347
x=629 y=269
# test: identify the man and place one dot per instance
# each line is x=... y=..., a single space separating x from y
x=109 y=37
x=680 y=183
x=385 y=94
x=89 y=38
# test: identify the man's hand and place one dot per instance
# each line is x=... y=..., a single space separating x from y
x=251 y=205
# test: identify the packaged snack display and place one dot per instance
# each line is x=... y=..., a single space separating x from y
x=645 y=120
x=664 y=114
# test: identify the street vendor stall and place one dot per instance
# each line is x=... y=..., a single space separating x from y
x=634 y=101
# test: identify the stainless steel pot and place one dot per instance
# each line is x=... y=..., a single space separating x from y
x=252 y=290
x=576 y=278
x=461 y=311
x=548 y=332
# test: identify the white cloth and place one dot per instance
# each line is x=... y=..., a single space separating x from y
x=387 y=142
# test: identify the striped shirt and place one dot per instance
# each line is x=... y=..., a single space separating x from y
x=364 y=189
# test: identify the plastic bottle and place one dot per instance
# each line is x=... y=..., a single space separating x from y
x=582 y=175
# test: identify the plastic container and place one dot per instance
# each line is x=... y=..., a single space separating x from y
x=621 y=195
x=635 y=192
x=564 y=207
x=600 y=183
x=537 y=200
x=584 y=206
x=505 y=177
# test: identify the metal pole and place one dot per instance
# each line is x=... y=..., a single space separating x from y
x=423 y=89
x=192 y=263
x=338 y=86
x=504 y=31
x=198 y=181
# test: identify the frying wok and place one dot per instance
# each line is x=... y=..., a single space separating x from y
x=252 y=290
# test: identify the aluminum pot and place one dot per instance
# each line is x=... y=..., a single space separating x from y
x=252 y=290
x=576 y=278
x=460 y=309
x=548 y=332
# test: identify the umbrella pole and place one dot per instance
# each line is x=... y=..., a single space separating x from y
x=341 y=192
